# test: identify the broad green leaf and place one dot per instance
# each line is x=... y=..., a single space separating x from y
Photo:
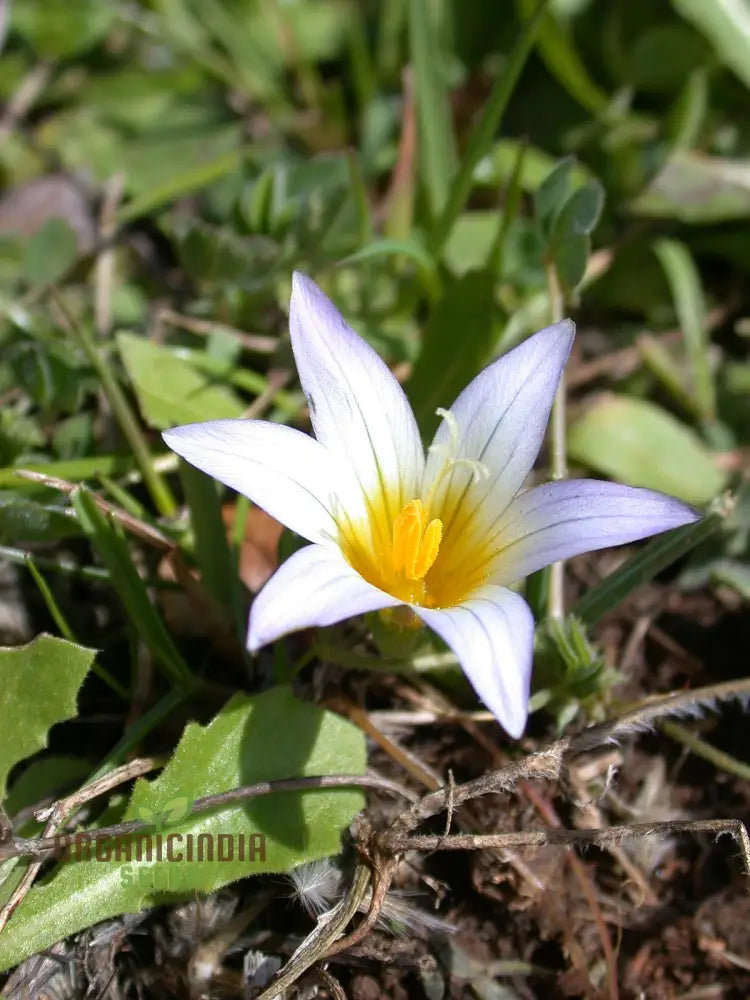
x=252 y=739
x=457 y=342
x=638 y=443
x=49 y=253
x=698 y=189
x=726 y=24
x=40 y=683
x=169 y=389
x=733 y=573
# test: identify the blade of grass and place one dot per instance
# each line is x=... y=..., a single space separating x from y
x=212 y=552
x=513 y=195
x=652 y=559
x=437 y=147
x=486 y=128
x=64 y=626
x=181 y=184
x=157 y=487
x=689 y=303
x=131 y=589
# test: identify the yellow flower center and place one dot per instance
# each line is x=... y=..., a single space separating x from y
x=415 y=542
x=432 y=562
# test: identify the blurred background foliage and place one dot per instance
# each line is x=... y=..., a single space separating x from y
x=166 y=164
x=454 y=174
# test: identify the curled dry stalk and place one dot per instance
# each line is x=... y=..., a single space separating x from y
x=381 y=850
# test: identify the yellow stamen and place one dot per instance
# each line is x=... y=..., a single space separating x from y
x=415 y=543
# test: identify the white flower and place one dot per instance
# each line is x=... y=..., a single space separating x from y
x=445 y=533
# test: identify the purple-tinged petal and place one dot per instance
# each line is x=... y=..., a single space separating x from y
x=287 y=473
x=501 y=418
x=492 y=634
x=315 y=586
x=563 y=519
x=358 y=410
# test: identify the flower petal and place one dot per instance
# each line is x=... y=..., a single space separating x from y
x=501 y=418
x=492 y=634
x=358 y=410
x=563 y=519
x=287 y=473
x=315 y=586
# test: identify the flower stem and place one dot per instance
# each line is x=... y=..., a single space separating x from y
x=555 y=598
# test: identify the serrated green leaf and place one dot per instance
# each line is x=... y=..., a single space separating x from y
x=170 y=390
x=638 y=443
x=40 y=683
x=253 y=739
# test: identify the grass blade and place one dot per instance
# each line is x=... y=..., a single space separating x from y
x=130 y=587
x=689 y=303
x=486 y=128
x=652 y=559
x=437 y=147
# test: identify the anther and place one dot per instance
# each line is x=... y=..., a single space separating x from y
x=415 y=543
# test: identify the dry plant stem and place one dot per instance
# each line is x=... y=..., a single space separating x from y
x=329 y=928
x=555 y=602
x=41 y=847
x=250 y=341
x=104 y=270
x=601 y=837
x=56 y=813
x=25 y=96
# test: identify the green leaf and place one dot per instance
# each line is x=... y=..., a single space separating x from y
x=457 y=342
x=654 y=557
x=170 y=390
x=49 y=253
x=726 y=24
x=437 y=142
x=253 y=739
x=554 y=191
x=40 y=683
x=59 y=29
x=131 y=589
x=47 y=776
x=687 y=294
x=698 y=189
x=638 y=443
x=570 y=257
x=580 y=213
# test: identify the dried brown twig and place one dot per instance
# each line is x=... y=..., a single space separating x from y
x=381 y=850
